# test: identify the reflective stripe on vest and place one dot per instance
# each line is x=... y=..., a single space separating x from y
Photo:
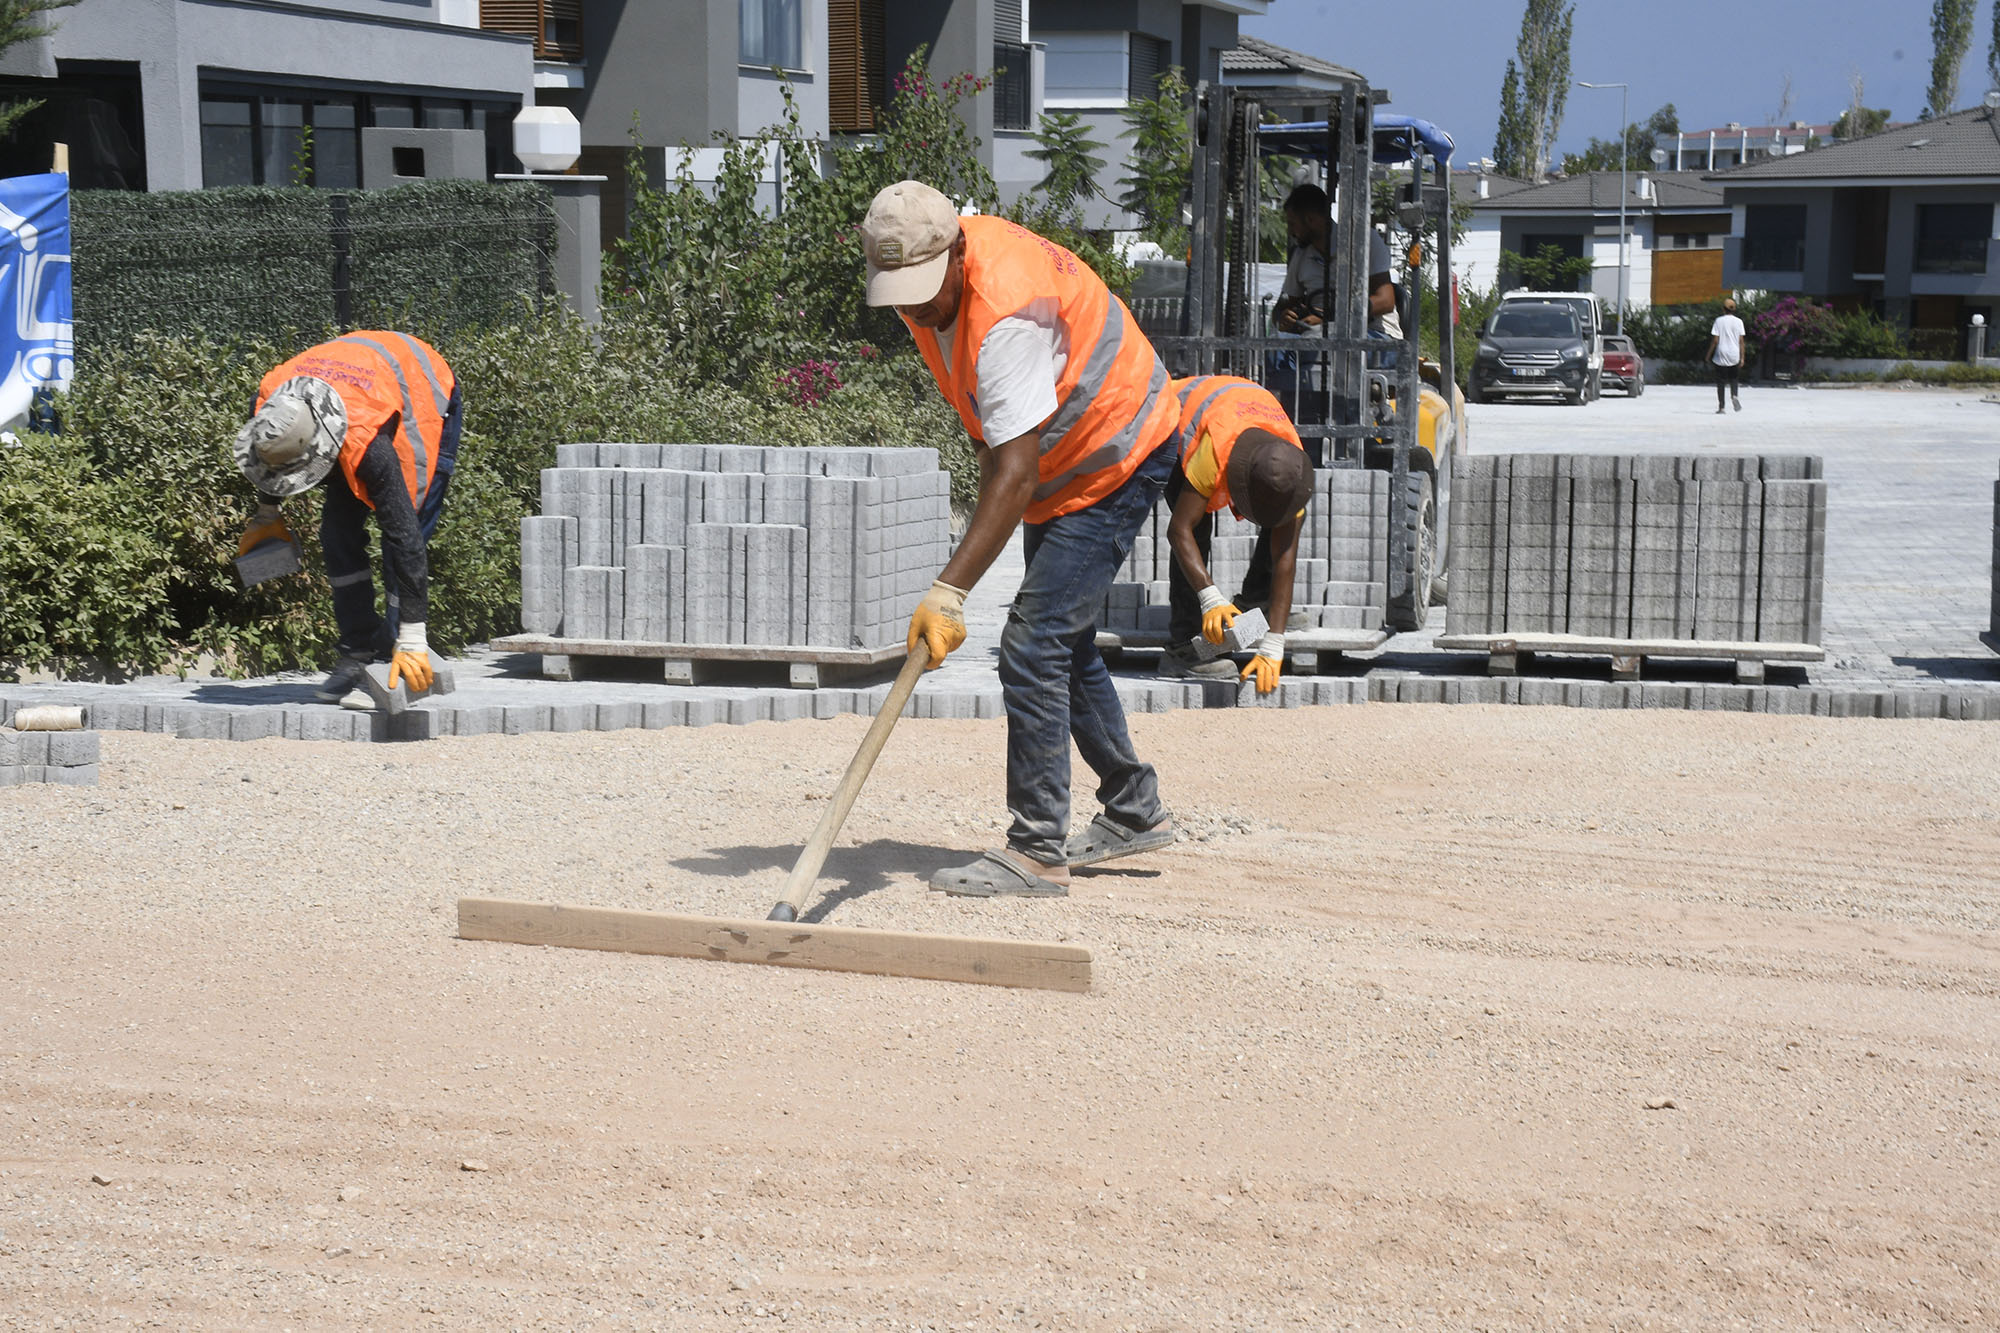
x=1223 y=407
x=420 y=448
x=1111 y=408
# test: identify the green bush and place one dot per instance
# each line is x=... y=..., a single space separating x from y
x=117 y=538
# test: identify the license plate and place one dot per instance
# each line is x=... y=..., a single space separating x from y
x=1529 y=370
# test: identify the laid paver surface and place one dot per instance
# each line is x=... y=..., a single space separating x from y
x=1910 y=476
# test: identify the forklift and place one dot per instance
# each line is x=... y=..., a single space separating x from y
x=1353 y=406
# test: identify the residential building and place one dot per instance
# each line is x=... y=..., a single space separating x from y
x=180 y=94
x=1905 y=223
x=1675 y=223
x=1256 y=63
x=1734 y=144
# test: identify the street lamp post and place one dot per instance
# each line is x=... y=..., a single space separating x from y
x=1622 y=91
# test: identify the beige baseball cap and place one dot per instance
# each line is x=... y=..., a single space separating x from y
x=908 y=235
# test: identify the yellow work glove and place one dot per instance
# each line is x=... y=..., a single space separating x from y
x=1217 y=613
x=410 y=664
x=939 y=621
x=1269 y=661
x=266 y=525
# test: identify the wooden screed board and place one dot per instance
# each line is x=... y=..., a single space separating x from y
x=888 y=953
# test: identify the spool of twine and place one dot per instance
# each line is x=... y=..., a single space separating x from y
x=49 y=717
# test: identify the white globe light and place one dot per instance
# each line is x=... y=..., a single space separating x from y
x=547 y=138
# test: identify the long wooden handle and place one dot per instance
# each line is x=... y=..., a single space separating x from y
x=806 y=869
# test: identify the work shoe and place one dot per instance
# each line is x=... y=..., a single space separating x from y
x=1738 y=402
x=358 y=701
x=1178 y=662
x=1720 y=410
x=344 y=680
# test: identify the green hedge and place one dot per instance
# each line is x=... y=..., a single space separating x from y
x=432 y=257
x=116 y=538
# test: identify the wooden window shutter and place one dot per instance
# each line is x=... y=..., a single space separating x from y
x=854 y=64
x=555 y=25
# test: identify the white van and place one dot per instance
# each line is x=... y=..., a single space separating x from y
x=1590 y=316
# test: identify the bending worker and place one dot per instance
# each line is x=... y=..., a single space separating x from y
x=1239 y=450
x=1066 y=404
x=386 y=408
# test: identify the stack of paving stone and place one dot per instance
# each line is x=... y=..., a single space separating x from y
x=1340 y=582
x=693 y=544
x=68 y=758
x=1705 y=548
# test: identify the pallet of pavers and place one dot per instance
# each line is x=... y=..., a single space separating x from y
x=1992 y=635
x=711 y=553
x=1340 y=597
x=1718 y=556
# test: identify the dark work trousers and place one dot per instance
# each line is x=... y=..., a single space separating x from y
x=1726 y=378
x=1183 y=602
x=343 y=536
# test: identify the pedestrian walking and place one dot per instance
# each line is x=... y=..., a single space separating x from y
x=1725 y=353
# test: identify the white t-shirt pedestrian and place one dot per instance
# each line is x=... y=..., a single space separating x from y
x=1728 y=334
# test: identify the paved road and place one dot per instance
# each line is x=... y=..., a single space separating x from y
x=1910 y=515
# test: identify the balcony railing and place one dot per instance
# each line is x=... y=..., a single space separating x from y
x=555 y=25
x=1951 y=254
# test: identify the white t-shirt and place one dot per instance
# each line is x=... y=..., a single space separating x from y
x=1306 y=275
x=1020 y=363
x=1728 y=332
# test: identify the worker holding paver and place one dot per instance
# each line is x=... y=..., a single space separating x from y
x=1066 y=402
x=386 y=408
x=1238 y=450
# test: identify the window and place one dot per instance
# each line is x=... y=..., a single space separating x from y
x=1774 y=238
x=228 y=143
x=555 y=25
x=771 y=32
x=854 y=64
x=252 y=135
x=1952 y=238
x=1085 y=69
x=1149 y=60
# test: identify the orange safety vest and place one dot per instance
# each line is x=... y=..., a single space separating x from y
x=1222 y=407
x=1112 y=410
x=380 y=377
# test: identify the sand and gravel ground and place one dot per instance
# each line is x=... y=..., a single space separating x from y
x=1373 y=1048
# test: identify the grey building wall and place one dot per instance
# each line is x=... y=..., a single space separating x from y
x=175 y=43
x=1830 y=246
x=674 y=65
x=1205 y=34
x=959 y=34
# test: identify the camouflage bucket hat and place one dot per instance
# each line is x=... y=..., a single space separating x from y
x=292 y=441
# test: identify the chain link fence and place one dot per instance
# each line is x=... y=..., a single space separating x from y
x=431 y=258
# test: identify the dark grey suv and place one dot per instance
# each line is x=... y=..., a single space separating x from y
x=1531 y=349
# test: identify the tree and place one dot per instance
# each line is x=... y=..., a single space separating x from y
x=1640 y=140
x=21 y=21
x=1534 y=93
x=1510 y=139
x=1859 y=122
x=1951 y=37
x=1547 y=270
x=1161 y=163
x=1069 y=160
x=1993 y=53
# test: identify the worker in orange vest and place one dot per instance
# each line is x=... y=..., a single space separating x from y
x=386 y=408
x=1240 y=451
x=1067 y=405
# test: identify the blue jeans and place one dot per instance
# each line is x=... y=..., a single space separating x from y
x=1053 y=680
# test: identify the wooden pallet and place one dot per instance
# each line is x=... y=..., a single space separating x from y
x=681 y=662
x=1307 y=650
x=1505 y=653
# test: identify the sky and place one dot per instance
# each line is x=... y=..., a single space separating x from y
x=1715 y=60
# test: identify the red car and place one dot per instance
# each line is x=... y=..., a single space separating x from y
x=1623 y=366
